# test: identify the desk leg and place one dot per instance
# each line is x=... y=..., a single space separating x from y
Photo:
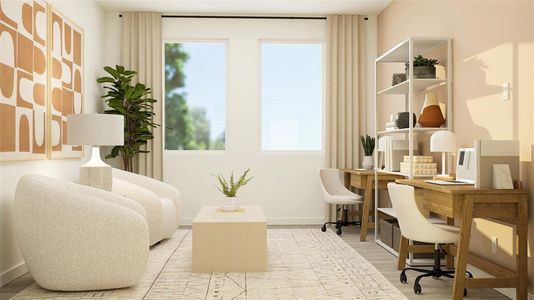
x=450 y=258
x=367 y=198
x=463 y=248
x=403 y=252
x=521 y=257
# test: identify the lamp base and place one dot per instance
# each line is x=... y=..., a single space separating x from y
x=98 y=176
x=96 y=173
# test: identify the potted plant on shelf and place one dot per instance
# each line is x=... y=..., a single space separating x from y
x=423 y=67
x=135 y=103
x=230 y=187
x=368 y=144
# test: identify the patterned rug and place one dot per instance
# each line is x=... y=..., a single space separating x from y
x=302 y=264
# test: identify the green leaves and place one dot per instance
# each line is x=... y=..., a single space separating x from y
x=135 y=104
x=230 y=187
x=368 y=144
x=419 y=60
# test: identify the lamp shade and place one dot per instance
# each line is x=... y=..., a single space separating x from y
x=95 y=129
x=443 y=141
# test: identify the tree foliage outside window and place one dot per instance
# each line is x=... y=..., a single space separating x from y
x=188 y=125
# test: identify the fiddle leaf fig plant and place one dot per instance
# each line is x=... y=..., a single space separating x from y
x=135 y=103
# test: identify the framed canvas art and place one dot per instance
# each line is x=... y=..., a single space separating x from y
x=23 y=80
x=66 y=82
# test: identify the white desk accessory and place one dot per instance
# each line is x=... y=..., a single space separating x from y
x=502 y=178
x=489 y=153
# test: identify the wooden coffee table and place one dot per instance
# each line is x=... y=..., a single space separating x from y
x=230 y=241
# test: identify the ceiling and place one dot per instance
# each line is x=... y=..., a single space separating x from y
x=249 y=7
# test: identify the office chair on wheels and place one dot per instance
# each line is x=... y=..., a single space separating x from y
x=415 y=226
x=334 y=192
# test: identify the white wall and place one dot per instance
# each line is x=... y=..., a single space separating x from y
x=91 y=17
x=285 y=184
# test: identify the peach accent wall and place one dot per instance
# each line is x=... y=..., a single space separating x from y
x=493 y=44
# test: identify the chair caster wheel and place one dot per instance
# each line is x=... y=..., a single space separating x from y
x=323 y=229
x=403 y=278
x=417 y=288
x=465 y=292
x=338 y=231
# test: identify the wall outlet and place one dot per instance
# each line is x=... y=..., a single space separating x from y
x=506 y=91
x=494 y=244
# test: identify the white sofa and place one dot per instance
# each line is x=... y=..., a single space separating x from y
x=162 y=202
x=76 y=238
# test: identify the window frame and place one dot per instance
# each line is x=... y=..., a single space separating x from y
x=224 y=41
x=260 y=99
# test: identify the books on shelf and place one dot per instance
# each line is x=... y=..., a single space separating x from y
x=390 y=126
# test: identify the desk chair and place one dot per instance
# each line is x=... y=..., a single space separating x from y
x=415 y=226
x=334 y=192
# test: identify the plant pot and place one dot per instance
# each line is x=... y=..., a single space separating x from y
x=402 y=120
x=421 y=71
x=231 y=204
x=368 y=162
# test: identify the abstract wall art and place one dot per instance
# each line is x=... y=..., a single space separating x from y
x=66 y=82
x=41 y=80
x=23 y=80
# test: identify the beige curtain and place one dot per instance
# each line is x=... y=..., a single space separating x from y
x=141 y=52
x=345 y=91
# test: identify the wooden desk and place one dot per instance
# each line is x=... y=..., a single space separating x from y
x=466 y=203
x=364 y=180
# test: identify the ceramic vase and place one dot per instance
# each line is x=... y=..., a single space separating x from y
x=231 y=204
x=402 y=120
x=431 y=115
x=368 y=162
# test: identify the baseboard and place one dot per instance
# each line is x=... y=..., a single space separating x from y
x=13 y=273
x=508 y=292
x=279 y=221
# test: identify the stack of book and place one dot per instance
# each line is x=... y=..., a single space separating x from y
x=390 y=126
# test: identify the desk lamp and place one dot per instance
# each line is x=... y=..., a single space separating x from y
x=95 y=130
x=443 y=141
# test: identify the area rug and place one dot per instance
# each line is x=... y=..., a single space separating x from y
x=302 y=264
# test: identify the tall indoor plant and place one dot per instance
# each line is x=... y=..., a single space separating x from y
x=134 y=102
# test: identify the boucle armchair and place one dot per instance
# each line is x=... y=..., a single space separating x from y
x=162 y=202
x=76 y=238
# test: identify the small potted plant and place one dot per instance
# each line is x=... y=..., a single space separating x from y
x=368 y=144
x=230 y=187
x=422 y=67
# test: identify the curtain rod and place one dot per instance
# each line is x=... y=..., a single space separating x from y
x=245 y=17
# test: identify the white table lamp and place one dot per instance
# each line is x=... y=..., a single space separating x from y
x=443 y=141
x=95 y=130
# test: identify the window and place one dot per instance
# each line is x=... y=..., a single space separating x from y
x=292 y=96
x=195 y=95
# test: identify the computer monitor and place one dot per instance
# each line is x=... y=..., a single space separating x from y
x=492 y=152
x=466 y=169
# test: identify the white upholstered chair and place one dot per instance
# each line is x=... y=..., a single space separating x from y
x=415 y=226
x=334 y=192
x=77 y=238
x=162 y=202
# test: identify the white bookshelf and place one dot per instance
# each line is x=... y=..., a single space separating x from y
x=403 y=53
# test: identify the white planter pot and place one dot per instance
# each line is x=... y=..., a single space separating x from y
x=231 y=204
x=368 y=162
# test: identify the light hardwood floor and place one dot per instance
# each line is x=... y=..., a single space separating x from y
x=377 y=256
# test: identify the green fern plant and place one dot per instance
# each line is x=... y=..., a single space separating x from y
x=230 y=187
x=368 y=144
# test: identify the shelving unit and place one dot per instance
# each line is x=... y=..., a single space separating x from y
x=405 y=53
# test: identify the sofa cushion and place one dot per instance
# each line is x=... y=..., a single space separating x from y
x=168 y=212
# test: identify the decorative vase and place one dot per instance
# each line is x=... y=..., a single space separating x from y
x=231 y=204
x=431 y=115
x=402 y=120
x=398 y=78
x=368 y=162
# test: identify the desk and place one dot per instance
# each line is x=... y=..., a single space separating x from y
x=466 y=203
x=364 y=180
